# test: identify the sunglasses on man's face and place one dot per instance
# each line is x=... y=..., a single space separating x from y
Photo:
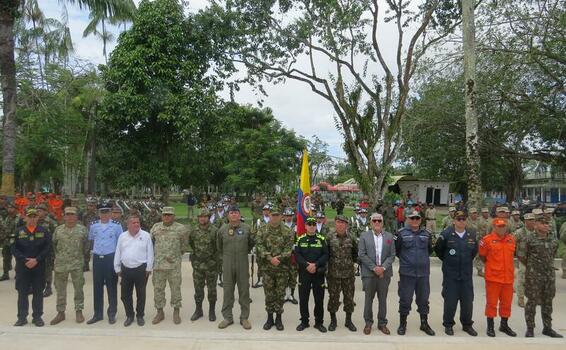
x=460 y=219
x=415 y=218
x=311 y=223
x=376 y=220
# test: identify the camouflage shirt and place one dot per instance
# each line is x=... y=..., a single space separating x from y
x=169 y=245
x=202 y=241
x=7 y=228
x=538 y=255
x=274 y=242
x=343 y=252
x=70 y=246
x=88 y=218
x=150 y=219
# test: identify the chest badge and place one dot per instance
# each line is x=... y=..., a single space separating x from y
x=231 y=232
x=452 y=252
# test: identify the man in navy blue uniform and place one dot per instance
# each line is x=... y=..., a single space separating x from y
x=413 y=246
x=457 y=247
x=30 y=245
x=104 y=233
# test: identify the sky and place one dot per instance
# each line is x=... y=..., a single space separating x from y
x=293 y=103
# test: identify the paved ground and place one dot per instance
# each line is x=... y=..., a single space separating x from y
x=203 y=334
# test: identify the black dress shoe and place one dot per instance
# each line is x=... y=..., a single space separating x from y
x=21 y=322
x=320 y=328
x=140 y=321
x=529 y=333
x=449 y=330
x=302 y=326
x=402 y=329
x=128 y=321
x=111 y=319
x=38 y=322
x=93 y=320
x=470 y=330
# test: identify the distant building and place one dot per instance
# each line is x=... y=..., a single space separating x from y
x=421 y=190
x=544 y=183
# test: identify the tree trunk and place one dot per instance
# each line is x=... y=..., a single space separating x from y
x=8 y=11
x=472 y=150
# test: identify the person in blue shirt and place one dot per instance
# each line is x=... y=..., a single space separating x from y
x=104 y=234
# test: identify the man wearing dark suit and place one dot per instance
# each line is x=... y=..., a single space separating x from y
x=376 y=252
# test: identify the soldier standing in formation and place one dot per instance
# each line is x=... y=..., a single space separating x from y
x=7 y=229
x=311 y=253
x=447 y=221
x=288 y=216
x=520 y=235
x=413 y=247
x=343 y=252
x=30 y=245
x=457 y=247
x=235 y=241
x=536 y=252
x=205 y=262
x=170 y=240
x=70 y=245
x=274 y=246
x=151 y=218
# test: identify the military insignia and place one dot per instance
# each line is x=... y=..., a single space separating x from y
x=231 y=232
x=239 y=232
x=452 y=252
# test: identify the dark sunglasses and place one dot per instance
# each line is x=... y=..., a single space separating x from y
x=311 y=223
x=460 y=219
x=415 y=218
x=376 y=220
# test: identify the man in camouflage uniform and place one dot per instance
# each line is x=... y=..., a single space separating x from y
x=90 y=216
x=515 y=222
x=219 y=218
x=261 y=222
x=234 y=241
x=343 y=252
x=117 y=217
x=257 y=207
x=7 y=228
x=288 y=216
x=151 y=218
x=274 y=246
x=390 y=219
x=537 y=252
x=549 y=214
x=170 y=239
x=205 y=262
x=520 y=235
x=321 y=225
x=563 y=239
x=448 y=220
x=359 y=223
x=49 y=224
x=70 y=245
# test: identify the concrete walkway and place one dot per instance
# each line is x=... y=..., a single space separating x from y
x=203 y=334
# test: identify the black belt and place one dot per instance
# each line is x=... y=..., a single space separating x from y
x=102 y=256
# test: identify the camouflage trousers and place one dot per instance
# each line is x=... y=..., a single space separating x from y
x=49 y=262
x=6 y=259
x=159 y=279
x=478 y=264
x=345 y=286
x=545 y=310
x=274 y=284
x=564 y=265
x=292 y=282
x=520 y=287
x=78 y=280
x=202 y=277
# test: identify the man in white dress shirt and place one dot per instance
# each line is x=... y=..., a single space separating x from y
x=133 y=262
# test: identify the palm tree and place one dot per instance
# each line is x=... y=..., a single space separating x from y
x=97 y=17
x=9 y=10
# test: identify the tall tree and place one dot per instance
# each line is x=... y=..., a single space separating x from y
x=367 y=92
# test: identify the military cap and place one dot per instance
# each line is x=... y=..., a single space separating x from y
x=341 y=218
x=288 y=212
x=320 y=215
x=543 y=219
x=275 y=210
x=203 y=212
x=529 y=216
x=310 y=220
x=460 y=214
x=515 y=212
x=414 y=214
x=41 y=206
x=537 y=211
x=234 y=208
x=473 y=210
x=70 y=210
x=549 y=210
x=502 y=210
x=104 y=207
x=484 y=210
x=452 y=209
x=266 y=207
x=376 y=216
x=168 y=211
x=499 y=222
x=362 y=211
x=31 y=212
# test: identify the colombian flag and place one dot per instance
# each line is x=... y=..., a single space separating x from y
x=304 y=201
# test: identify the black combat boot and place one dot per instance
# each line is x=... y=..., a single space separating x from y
x=198 y=312
x=269 y=323
x=530 y=332
x=425 y=327
x=333 y=323
x=349 y=324
x=279 y=322
x=402 y=325
x=504 y=327
x=490 y=327
x=212 y=311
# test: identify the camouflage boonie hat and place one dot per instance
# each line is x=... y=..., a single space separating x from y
x=70 y=210
x=204 y=212
x=529 y=216
x=168 y=211
x=275 y=211
x=341 y=218
x=473 y=210
x=502 y=210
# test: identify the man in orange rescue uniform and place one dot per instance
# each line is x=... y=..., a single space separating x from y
x=496 y=251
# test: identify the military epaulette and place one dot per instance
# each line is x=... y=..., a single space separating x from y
x=116 y=222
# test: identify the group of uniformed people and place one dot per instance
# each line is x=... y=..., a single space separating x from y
x=322 y=259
